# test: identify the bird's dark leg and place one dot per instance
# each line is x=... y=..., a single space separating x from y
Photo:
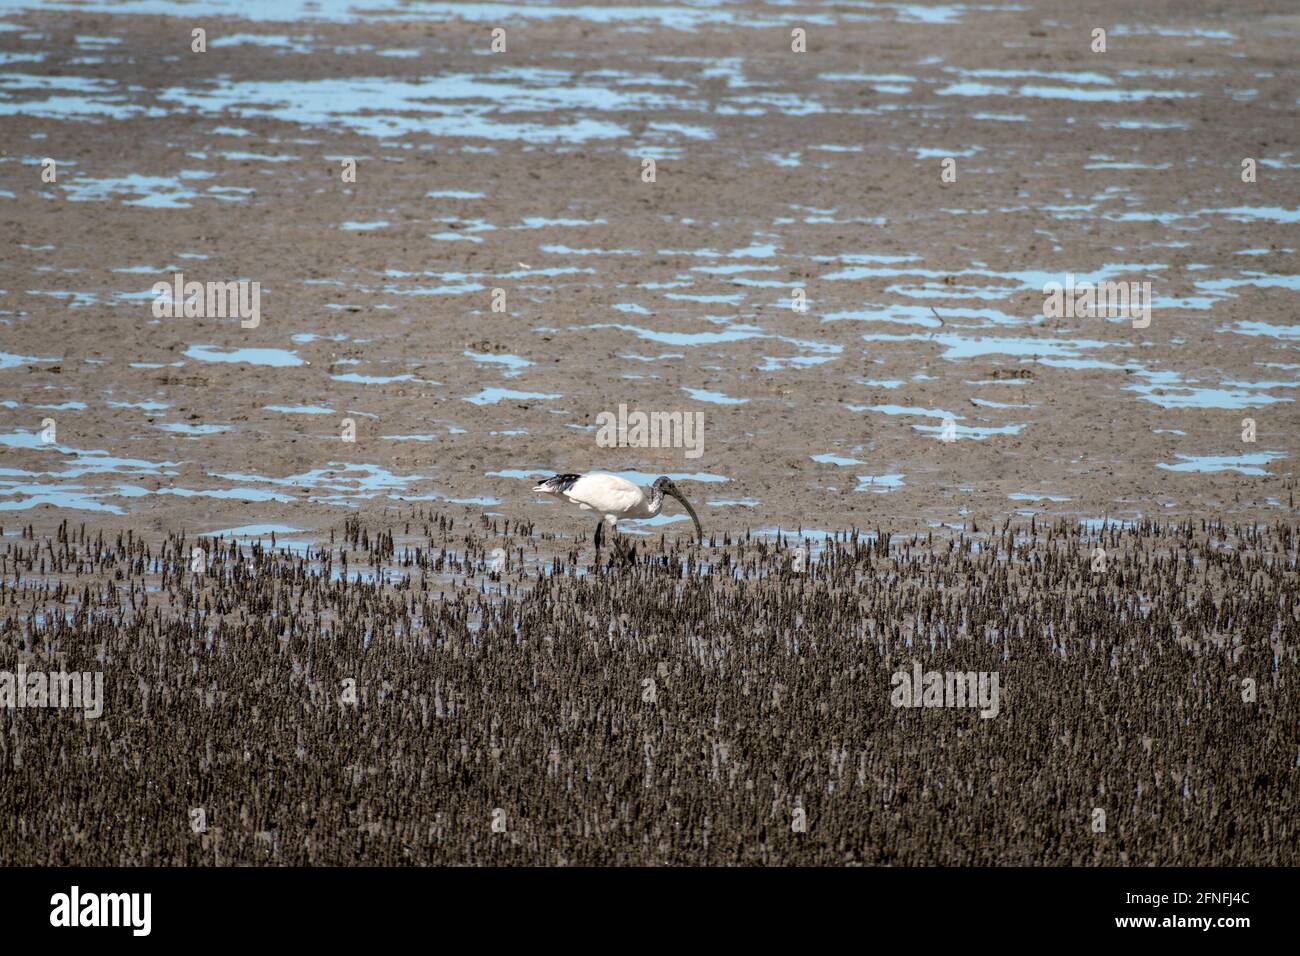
x=600 y=530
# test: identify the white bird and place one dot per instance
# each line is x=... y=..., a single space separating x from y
x=614 y=498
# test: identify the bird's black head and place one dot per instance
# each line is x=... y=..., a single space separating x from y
x=665 y=486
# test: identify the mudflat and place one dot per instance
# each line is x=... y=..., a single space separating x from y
x=993 y=304
x=917 y=176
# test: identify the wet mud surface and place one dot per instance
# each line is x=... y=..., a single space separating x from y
x=521 y=171
x=355 y=470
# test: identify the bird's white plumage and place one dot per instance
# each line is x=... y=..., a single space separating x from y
x=614 y=498
x=610 y=496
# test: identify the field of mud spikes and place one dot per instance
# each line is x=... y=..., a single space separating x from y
x=423 y=691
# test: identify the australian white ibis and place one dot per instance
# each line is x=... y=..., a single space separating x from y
x=614 y=498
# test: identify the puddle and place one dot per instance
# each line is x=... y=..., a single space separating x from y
x=81 y=461
x=491 y=396
x=732 y=269
x=142 y=406
x=685 y=16
x=462 y=230
x=1253 y=328
x=923 y=316
x=792 y=538
x=973 y=432
x=879 y=484
x=775 y=364
x=1082 y=94
x=21 y=489
x=276 y=358
x=735 y=299
x=963 y=347
x=299 y=409
x=562 y=250
x=662 y=357
x=253 y=531
x=513 y=363
x=66 y=497
x=539 y=222
x=1101 y=524
x=735 y=333
x=1085 y=77
x=79 y=98
x=1164 y=389
x=338 y=483
x=356 y=378
x=715 y=398
x=1251 y=464
x=635 y=525
x=468 y=105
x=194 y=431
x=889 y=83
x=9 y=360
x=152 y=192
x=961 y=431
x=904 y=410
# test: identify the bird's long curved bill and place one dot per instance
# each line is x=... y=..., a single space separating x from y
x=699 y=531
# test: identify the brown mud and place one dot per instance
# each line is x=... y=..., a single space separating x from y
x=773 y=167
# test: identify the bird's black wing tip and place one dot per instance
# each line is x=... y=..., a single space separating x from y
x=557 y=483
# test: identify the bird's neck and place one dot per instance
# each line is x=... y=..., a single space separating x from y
x=656 y=501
